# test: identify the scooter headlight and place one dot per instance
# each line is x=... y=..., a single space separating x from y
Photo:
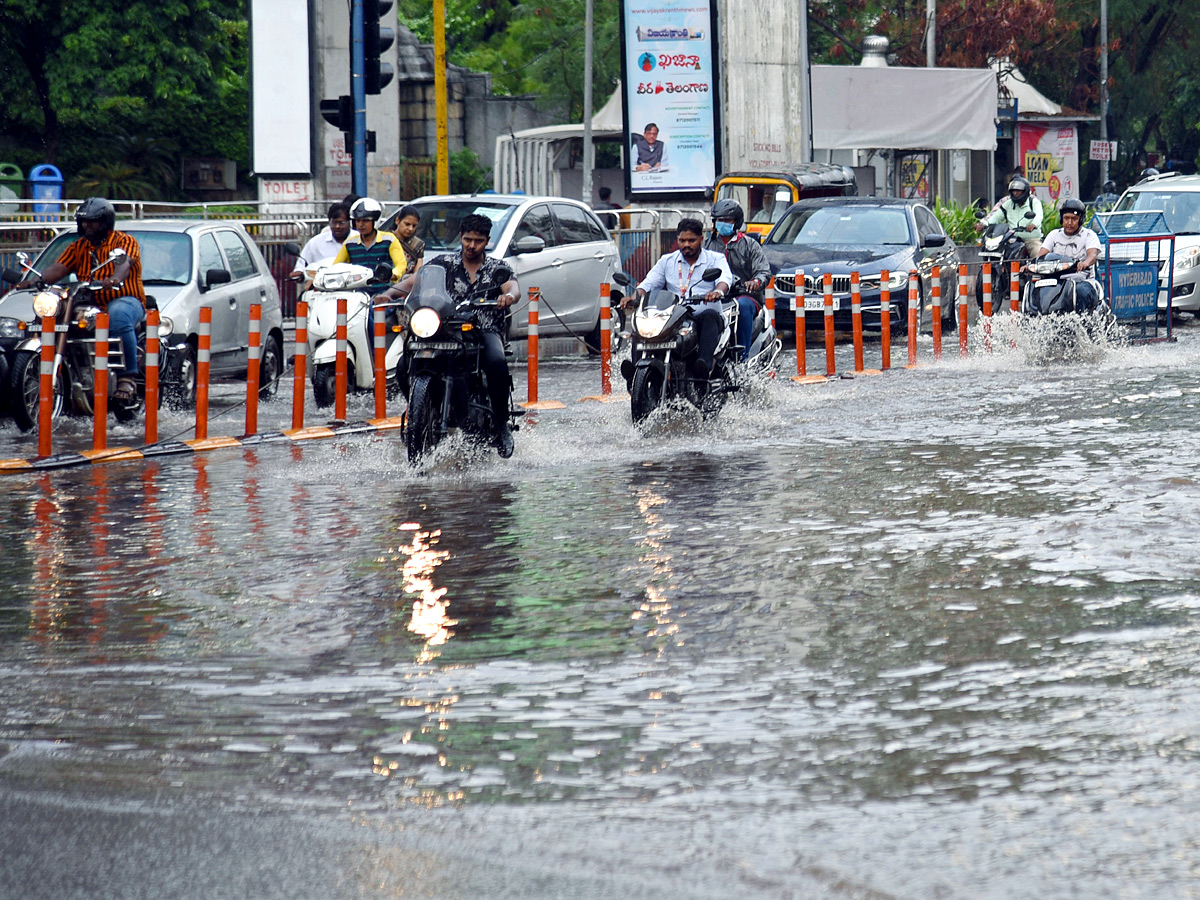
x=45 y=303
x=425 y=322
x=649 y=324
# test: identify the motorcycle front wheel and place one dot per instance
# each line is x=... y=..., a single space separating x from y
x=25 y=389
x=421 y=431
x=646 y=393
x=324 y=381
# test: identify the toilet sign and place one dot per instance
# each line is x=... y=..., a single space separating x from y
x=1102 y=150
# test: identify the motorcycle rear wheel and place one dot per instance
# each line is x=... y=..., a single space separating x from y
x=25 y=390
x=646 y=393
x=421 y=432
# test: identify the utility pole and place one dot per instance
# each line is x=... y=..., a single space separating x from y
x=1104 y=88
x=806 y=119
x=589 y=149
x=931 y=33
x=439 y=91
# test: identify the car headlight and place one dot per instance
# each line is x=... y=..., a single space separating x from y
x=165 y=326
x=897 y=280
x=425 y=322
x=1187 y=258
x=45 y=303
x=649 y=325
x=10 y=327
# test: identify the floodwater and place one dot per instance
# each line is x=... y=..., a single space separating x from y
x=931 y=634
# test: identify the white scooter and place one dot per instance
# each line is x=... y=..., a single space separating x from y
x=331 y=281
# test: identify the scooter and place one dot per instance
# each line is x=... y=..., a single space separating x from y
x=999 y=245
x=1060 y=312
x=73 y=372
x=442 y=374
x=665 y=341
x=331 y=281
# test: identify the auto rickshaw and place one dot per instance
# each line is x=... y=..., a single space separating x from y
x=766 y=195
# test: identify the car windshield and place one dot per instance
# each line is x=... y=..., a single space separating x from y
x=843 y=225
x=439 y=221
x=1181 y=209
x=166 y=256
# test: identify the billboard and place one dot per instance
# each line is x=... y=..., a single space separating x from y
x=1050 y=157
x=671 y=103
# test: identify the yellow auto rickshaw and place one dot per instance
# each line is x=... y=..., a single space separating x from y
x=766 y=195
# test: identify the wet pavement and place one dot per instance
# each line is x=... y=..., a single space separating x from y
x=925 y=634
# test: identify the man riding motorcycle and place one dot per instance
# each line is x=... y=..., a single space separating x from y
x=747 y=263
x=1075 y=241
x=120 y=292
x=1012 y=209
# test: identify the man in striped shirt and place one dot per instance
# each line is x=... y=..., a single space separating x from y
x=118 y=282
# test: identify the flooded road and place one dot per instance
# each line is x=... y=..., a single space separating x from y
x=933 y=634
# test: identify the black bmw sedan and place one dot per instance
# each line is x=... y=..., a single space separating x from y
x=840 y=235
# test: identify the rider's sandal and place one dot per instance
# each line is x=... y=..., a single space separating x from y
x=126 y=391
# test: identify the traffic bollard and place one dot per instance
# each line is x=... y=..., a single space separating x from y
x=339 y=364
x=301 y=357
x=152 y=350
x=252 y=368
x=100 y=385
x=203 y=354
x=937 y=312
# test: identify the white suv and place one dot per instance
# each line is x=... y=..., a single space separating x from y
x=1178 y=198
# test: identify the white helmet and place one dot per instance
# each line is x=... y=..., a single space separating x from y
x=366 y=208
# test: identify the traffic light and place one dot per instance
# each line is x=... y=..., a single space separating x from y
x=339 y=113
x=377 y=39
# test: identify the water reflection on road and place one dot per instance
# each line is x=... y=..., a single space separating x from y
x=947 y=615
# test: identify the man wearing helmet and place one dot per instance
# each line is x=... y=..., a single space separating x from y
x=371 y=247
x=746 y=261
x=1013 y=209
x=1107 y=198
x=1075 y=241
x=119 y=289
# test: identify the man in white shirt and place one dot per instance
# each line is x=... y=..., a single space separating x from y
x=325 y=245
x=682 y=272
x=1076 y=242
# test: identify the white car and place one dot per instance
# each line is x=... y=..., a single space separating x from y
x=1178 y=198
x=554 y=244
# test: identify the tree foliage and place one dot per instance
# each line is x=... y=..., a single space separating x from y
x=100 y=83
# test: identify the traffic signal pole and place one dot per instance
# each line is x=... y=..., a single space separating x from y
x=358 y=95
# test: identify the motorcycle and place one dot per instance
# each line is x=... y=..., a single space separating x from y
x=665 y=342
x=75 y=349
x=1059 y=314
x=441 y=373
x=331 y=281
x=1000 y=245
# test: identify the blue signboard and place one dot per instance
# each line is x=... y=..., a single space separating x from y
x=1133 y=290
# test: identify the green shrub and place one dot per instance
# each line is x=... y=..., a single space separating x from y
x=959 y=221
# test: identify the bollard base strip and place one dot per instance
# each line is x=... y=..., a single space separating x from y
x=544 y=404
x=213 y=443
x=15 y=465
x=869 y=372
x=113 y=454
x=809 y=379
x=605 y=398
x=310 y=433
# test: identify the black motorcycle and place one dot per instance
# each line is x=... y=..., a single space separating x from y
x=441 y=371
x=74 y=351
x=665 y=344
x=1047 y=291
x=999 y=245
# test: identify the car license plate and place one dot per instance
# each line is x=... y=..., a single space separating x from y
x=817 y=304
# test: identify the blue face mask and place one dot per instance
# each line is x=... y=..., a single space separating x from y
x=724 y=229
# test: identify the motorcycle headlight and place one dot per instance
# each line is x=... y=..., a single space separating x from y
x=9 y=327
x=649 y=325
x=425 y=322
x=45 y=303
x=1187 y=258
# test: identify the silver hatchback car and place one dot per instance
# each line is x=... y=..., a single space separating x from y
x=187 y=264
x=554 y=244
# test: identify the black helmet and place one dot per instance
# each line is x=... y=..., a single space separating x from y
x=1073 y=205
x=729 y=209
x=366 y=208
x=1110 y=187
x=1021 y=186
x=97 y=209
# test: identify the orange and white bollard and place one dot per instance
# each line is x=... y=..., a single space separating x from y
x=987 y=290
x=379 y=348
x=100 y=385
x=301 y=357
x=605 y=339
x=1014 y=288
x=885 y=320
x=914 y=315
x=252 y=368
x=46 y=388
x=203 y=358
x=937 y=312
x=827 y=289
x=856 y=320
x=963 y=311
x=339 y=365
x=532 y=357
x=801 y=338
x=152 y=350
x=769 y=301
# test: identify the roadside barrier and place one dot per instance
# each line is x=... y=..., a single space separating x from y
x=46 y=387
x=252 y=363
x=1014 y=288
x=606 y=395
x=914 y=315
x=380 y=349
x=152 y=342
x=963 y=326
x=827 y=293
x=339 y=364
x=202 y=365
x=885 y=320
x=856 y=319
x=532 y=358
x=799 y=297
x=937 y=312
x=301 y=357
x=769 y=300
x=100 y=385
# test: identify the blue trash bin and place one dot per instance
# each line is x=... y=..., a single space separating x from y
x=45 y=188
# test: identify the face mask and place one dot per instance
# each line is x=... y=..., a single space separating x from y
x=724 y=229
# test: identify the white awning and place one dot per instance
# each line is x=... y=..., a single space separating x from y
x=903 y=108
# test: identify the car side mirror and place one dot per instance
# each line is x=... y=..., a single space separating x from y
x=214 y=277
x=531 y=243
x=934 y=240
